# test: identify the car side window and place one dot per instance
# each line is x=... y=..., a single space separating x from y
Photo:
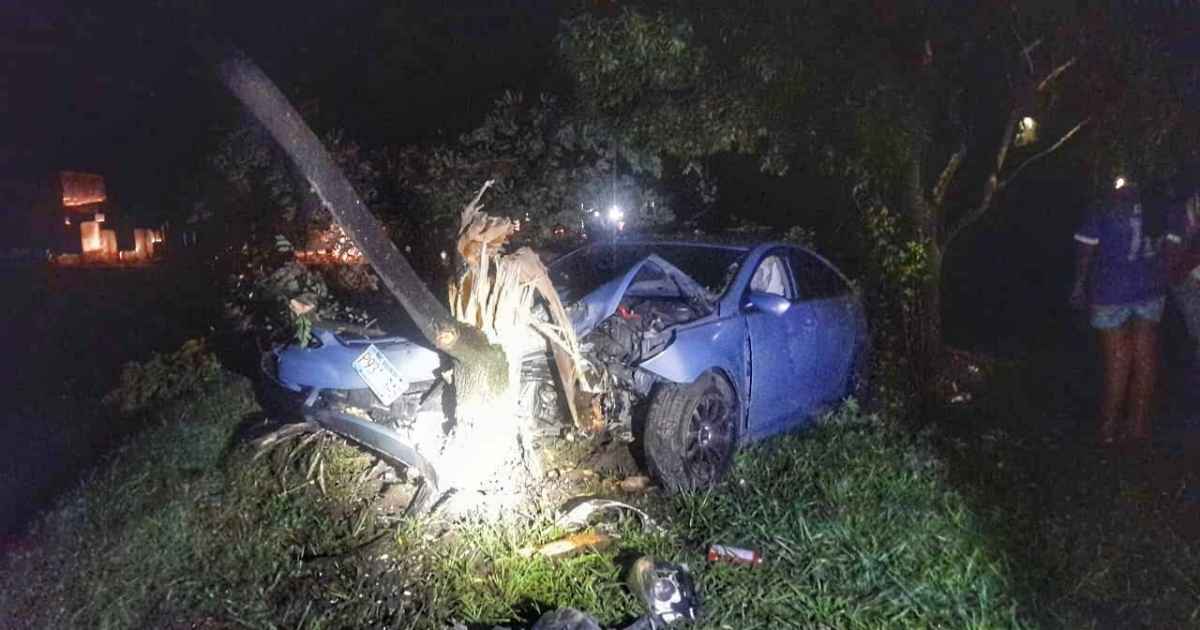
x=815 y=280
x=771 y=277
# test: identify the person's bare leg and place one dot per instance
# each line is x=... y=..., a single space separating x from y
x=1116 y=351
x=1145 y=377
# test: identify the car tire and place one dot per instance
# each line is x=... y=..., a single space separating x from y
x=691 y=432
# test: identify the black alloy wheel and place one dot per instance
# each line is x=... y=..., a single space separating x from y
x=692 y=432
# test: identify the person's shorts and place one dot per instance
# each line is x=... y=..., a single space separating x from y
x=1115 y=315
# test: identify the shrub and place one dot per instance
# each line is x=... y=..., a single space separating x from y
x=165 y=377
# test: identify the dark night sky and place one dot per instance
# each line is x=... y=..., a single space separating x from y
x=119 y=91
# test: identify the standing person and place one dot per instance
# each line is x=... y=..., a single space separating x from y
x=1183 y=256
x=1121 y=277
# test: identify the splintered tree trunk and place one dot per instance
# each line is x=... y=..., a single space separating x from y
x=484 y=434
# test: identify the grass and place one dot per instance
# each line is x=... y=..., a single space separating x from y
x=183 y=529
x=1098 y=538
x=859 y=531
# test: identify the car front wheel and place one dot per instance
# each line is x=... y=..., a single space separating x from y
x=692 y=432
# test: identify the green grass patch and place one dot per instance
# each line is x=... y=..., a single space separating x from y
x=1097 y=538
x=855 y=520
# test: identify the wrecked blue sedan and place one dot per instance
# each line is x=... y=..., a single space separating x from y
x=700 y=348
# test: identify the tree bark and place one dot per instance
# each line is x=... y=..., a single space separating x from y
x=927 y=217
x=932 y=341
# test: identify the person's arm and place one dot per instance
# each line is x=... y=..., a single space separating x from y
x=1175 y=249
x=1087 y=238
x=1083 y=262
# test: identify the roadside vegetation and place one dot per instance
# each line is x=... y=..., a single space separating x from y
x=184 y=527
x=1099 y=538
x=982 y=519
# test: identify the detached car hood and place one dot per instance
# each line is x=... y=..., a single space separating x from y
x=604 y=301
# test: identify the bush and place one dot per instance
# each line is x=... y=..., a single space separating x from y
x=165 y=377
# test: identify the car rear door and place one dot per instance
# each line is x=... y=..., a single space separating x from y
x=830 y=303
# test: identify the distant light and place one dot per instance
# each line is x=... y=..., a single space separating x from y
x=615 y=213
x=67 y=221
x=99 y=217
x=1026 y=133
x=1119 y=183
x=443 y=255
x=621 y=226
x=595 y=213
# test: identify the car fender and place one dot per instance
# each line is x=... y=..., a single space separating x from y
x=712 y=343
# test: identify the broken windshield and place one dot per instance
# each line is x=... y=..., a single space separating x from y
x=584 y=270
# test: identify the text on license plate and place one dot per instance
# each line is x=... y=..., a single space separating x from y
x=380 y=375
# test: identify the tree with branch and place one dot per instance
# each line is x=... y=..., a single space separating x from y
x=934 y=112
x=981 y=161
x=489 y=325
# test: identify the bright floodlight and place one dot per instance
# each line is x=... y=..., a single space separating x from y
x=615 y=213
x=1119 y=183
x=1027 y=122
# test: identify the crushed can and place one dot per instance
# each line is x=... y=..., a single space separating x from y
x=666 y=589
x=734 y=555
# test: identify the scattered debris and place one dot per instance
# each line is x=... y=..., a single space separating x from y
x=666 y=589
x=636 y=483
x=579 y=474
x=734 y=555
x=300 y=307
x=578 y=512
x=582 y=541
x=264 y=444
x=566 y=619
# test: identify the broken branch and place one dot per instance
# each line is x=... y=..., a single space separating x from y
x=1054 y=147
x=1054 y=73
x=943 y=182
x=1027 y=50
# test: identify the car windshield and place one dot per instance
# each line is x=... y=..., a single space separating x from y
x=583 y=271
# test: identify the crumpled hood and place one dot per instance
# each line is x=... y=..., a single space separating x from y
x=603 y=302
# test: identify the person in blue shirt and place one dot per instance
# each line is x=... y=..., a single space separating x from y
x=1183 y=257
x=1121 y=279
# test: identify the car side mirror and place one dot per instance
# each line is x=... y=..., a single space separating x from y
x=759 y=301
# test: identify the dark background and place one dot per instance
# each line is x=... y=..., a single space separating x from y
x=117 y=90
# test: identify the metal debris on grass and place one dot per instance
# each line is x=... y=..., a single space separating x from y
x=563 y=547
x=577 y=512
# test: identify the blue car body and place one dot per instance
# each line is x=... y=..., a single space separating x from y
x=777 y=321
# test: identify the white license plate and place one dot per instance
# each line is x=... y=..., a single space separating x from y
x=380 y=375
